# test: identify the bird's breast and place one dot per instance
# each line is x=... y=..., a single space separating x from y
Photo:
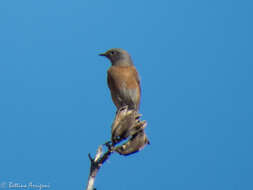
x=124 y=77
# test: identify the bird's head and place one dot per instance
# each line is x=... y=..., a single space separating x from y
x=118 y=57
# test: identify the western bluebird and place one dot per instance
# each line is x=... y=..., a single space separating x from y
x=123 y=79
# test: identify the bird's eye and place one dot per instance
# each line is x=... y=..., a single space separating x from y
x=112 y=52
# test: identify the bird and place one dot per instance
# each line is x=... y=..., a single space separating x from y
x=124 y=83
x=123 y=79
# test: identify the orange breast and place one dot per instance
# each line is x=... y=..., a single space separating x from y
x=124 y=76
x=124 y=84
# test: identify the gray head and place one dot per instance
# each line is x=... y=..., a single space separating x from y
x=118 y=57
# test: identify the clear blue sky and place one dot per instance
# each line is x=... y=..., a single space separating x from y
x=196 y=66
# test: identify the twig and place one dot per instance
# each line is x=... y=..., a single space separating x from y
x=96 y=163
x=126 y=126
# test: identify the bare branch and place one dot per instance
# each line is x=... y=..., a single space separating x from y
x=126 y=125
x=96 y=164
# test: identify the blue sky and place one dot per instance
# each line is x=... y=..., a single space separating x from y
x=195 y=62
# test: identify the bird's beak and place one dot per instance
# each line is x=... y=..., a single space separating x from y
x=102 y=54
